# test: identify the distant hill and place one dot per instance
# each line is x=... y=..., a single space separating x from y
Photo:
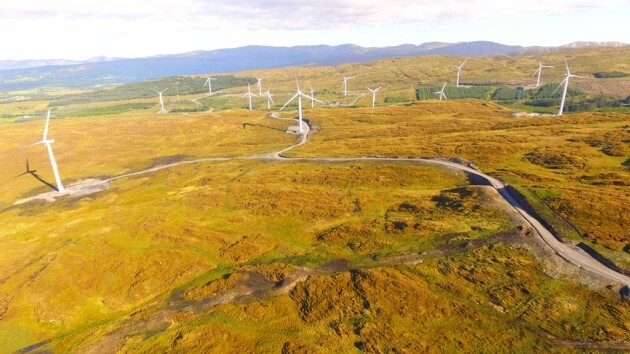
x=25 y=64
x=579 y=45
x=574 y=45
x=106 y=71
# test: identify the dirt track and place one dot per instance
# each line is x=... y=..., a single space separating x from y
x=570 y=253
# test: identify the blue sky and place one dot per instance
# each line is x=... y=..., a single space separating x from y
x=78 y=29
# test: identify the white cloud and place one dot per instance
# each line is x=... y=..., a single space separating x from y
x=82 y=28
x=348 y=13
x=290 y=14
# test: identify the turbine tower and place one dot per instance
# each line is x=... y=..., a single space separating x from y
x=459 y=71
x=299 y=96
x=441 y=92
x=566 y=86
x=161 y=100
x=374 y=95
x=345 y=84
x=249 y=94
x=312 y=93
x=539 y=71
x=269 y=99
x=53 y=163
x=209 y=83
x=259 y=84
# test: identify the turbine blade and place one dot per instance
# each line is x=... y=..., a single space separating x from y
x=289 y=101
x=562 y=83
x=311 y=98
x=46 y=126
x=536 y=72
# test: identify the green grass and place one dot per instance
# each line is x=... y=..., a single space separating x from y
x=111 y=110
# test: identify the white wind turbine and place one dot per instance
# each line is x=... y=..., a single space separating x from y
x=47 y=143
x=259 y=84
x=161 y=100
x=269 y=99
x=345 y=84
x=312 y=93
x=374 y=95
x=566 y=86
x=299 y=96
x=249 y=94
x=459 y=71
x=539 y=71
x=209 y=83
x=441 y=92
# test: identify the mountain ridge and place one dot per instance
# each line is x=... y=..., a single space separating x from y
x=110 y=71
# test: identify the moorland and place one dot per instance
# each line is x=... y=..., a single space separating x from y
x=305 y=256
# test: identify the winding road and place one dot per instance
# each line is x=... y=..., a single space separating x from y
x=571 y=254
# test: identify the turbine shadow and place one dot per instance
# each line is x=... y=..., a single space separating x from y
x=43 y=181
x=37 y=177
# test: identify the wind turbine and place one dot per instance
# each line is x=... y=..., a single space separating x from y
x=566 y=86
x=299 y=96
x=345 y=84
x=312 y=93
x=249 y=94
x=259 y=84
x=47 y=142
x=539 y=71
x=356 y=99
x=374 y=95
x=161 y=100
x=269 y=99
x=459 y=71
x=209 y=83
x=441 y=92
